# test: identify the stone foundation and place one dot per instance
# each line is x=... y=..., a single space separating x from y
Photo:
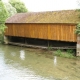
x=6 y=40
x=78 y=46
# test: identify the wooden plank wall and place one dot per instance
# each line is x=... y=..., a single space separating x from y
x=60 y=32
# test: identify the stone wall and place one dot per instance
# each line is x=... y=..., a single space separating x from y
x=78 y=46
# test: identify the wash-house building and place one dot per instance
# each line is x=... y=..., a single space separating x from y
x=54 y=28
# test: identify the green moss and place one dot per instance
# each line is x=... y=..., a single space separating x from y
x=64 y=16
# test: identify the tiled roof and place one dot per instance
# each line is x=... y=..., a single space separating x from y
x=64 y=16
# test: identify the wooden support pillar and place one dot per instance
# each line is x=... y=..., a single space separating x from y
x=48 y=44
x=78 y=46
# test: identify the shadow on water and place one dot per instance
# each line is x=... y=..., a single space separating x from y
x=18 y=63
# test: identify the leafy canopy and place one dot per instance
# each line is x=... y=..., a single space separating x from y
x=7 y=10
x=18 y=5
x=3 y=17
x=3 y=13
x=11 y=10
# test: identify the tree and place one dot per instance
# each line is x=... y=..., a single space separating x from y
x=3 y=17
x=7 y=10
x=77 y=31
x=18 y=5
x=11 y=10
x=3 y=13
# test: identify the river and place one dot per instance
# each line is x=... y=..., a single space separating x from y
x=20 y=63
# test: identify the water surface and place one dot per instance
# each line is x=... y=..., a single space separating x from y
x=19 y=63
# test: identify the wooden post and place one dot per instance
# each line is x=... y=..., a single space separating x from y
x=48 y=46
x=78 y=46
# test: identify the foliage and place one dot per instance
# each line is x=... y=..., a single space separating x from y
x=67 y=54
x=3 y=17
x=77 y=31
x=58 y=52
x=7 y=10
x=2 y=27
x=3 y=13
x=18 y=5
x=49 y=48
x=70 y=51
x=11 y=10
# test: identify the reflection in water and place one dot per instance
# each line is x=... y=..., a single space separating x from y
x=22 y=54
x=13 y=53
x=18 y=63
x=55 y=60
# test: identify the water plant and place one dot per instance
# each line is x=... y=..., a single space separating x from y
x=49 y=48
x=70 y=53
x=67 y=54
x=58 y=52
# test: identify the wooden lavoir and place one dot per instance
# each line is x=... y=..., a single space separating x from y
x=59 y=32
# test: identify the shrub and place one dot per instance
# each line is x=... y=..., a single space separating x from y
x=77 y=31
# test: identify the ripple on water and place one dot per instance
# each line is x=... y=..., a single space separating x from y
x=18 y=63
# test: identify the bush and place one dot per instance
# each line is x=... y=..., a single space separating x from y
x=2 y=29
x=77 y=31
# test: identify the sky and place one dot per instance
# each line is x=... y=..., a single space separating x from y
x=49 y=5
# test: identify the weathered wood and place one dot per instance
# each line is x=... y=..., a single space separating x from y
x=42 y=47
x=59 y=32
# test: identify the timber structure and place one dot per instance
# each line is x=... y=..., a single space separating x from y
x=51 y=25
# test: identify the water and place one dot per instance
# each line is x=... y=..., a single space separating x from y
x=19 y=63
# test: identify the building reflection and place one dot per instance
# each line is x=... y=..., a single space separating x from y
x=22 y=55
x=55 y=60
